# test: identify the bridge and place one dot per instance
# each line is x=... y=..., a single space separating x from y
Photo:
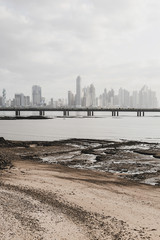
x=89 y=111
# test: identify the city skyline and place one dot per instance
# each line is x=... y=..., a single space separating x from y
x=111 y=43
x=83 y=96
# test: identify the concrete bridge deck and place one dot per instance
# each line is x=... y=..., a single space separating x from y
x=66 y=110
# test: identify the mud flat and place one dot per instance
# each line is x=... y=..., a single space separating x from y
x=23 y=117
x=79 y=189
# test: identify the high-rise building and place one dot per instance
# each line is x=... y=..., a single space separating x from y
x=26 y=100
x=36 y=95
x=19 y=100
x=51 y=102
x=147 y=98
x=124 y=98
x=4 y=97
x=105 y=98
x=78 y=92
x=71 y=99
x=84 y=98
x=1 y=101
x=90 y=96
x=135 y=99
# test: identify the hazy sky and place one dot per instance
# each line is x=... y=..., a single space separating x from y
x=110 y=43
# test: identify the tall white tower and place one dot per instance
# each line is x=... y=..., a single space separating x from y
x=78 y=92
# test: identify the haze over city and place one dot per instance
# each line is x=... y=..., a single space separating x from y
x=112 y=44
x=85 y=97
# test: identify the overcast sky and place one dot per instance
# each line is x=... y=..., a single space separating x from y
x=110 y=43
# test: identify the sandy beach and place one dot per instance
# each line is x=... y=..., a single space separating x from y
x=39 y=200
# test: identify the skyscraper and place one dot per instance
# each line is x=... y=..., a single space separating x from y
x=78 y=92
x=71 y=99
x=4 y=97
x=89 y=98
x=1 y=101
x=36 y=95
x=19 y=100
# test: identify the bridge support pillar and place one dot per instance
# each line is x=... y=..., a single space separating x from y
x=65 y=113
x=90 y=113
x=139 y=114
x=17 y=113
x=115 y=113
x=41 y=113
x=143 y=114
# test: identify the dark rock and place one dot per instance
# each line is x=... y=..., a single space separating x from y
x=2 y=140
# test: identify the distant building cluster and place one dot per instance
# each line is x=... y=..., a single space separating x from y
x=20 y=100
x=85 y=97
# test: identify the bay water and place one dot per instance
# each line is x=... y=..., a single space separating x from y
x=126 y=126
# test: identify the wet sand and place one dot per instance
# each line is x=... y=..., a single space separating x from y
x=60 y=201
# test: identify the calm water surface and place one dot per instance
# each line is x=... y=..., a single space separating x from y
x=114 y=128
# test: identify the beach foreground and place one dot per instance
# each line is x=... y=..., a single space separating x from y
x=53 y=201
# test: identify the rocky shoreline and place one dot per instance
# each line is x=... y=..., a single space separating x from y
x=133 y=160
x=79 y=189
